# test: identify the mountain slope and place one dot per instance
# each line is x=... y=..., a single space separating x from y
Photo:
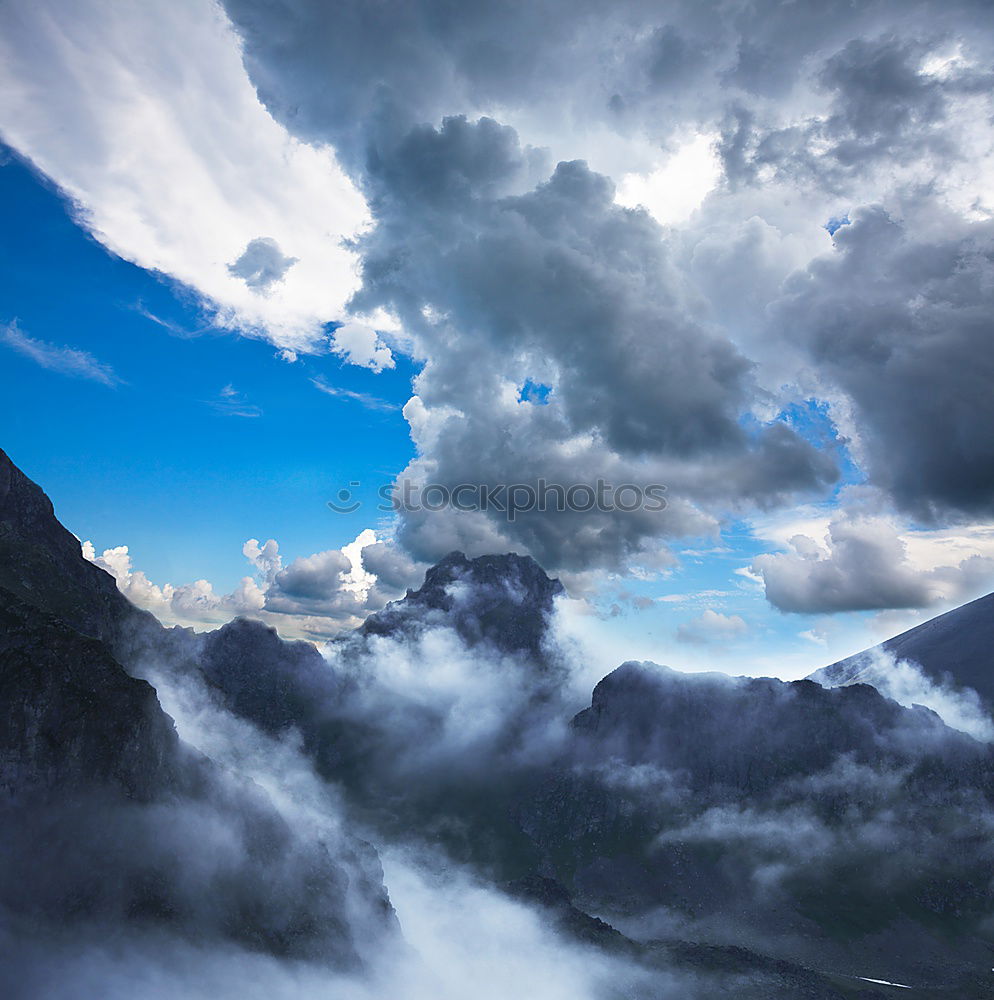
x=112 y=825
x=957 y=646
x=41 y=563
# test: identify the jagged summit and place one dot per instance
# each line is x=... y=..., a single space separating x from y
x=957 y=646
x=497 y=571
x=501 y=599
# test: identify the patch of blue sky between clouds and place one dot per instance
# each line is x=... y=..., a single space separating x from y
x=534 y=392
x=836 y=223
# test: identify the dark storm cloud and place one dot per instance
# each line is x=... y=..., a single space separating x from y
x=358 y=73
x=563 y=283
x=505 y=268
x=312 y=585
x=900 y=321
x=591 y=286
x=395 y=572
x=887 y=108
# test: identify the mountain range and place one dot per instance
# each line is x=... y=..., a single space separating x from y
x=757 y=838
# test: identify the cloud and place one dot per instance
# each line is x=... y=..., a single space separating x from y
x=316 y=596
x=64 y=360
x=266 y=558
x=906 y=682
x=864 y=569
x=641 y=391
x=712 y=626
x=261 y=264
x=394 y=571
x=875 y=104
x=232 y=403
x=165 y=128
x=362 y=398
x=312 y=585
x=912 y=323
x=675 y=188
x=863 y=566
x=189 y=604
x=360 y=345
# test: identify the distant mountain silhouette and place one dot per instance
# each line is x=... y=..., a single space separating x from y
x=504 y=600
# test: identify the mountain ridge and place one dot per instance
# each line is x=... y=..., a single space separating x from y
x=954 y=648
x=672 y=797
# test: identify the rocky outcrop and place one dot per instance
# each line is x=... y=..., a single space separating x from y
x=504 y=600
x=111 y=823
x=262 y=677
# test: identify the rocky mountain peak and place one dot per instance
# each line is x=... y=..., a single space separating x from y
x=501 y=599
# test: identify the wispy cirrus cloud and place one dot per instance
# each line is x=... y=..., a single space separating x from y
x=233 y=403
x=363 y=398
x=64 y=360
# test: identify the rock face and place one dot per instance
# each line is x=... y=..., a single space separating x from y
x=751 y=735
x=502 y=600
x=262 y=677
x=824 y=817
x=70 y=717
x=957 y=646
x=112 y=825
x=40 y=562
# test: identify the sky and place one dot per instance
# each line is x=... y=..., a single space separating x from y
x=258 y=254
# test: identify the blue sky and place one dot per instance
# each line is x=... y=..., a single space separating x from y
x=158 y=462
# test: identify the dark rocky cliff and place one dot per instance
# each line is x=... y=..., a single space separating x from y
x=41 y=563
x=111 y=823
